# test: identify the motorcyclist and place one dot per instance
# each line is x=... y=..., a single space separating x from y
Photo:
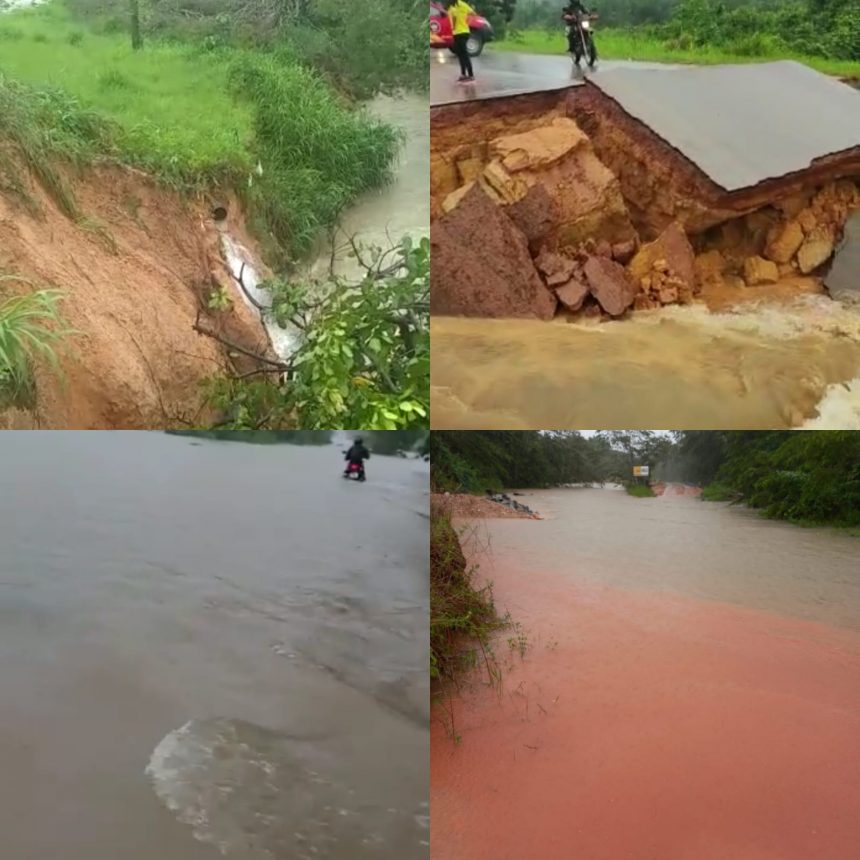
x=357 y=454
x=573 y=13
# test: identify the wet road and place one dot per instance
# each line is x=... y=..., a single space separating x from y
x=691 y=689
x=505 y=73
x=698 y=110
x=210 y=649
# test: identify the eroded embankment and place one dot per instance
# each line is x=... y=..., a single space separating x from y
x=712 y=307
x=137 y=267
x=564 y=202
x=687 y=692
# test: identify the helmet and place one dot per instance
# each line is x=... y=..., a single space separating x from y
x=358 y=441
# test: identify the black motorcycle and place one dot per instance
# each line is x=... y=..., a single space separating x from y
x=580 y=39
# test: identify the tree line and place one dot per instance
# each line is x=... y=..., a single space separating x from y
x=797 y=476
x=827 y=28
x=493 y=459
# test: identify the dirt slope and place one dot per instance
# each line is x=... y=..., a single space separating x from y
x=135 y=269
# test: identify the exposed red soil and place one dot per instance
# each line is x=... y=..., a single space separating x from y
x=652 y=727
x=135 y=270
x=474 y=507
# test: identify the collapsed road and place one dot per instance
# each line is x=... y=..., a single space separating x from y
x=638 y=190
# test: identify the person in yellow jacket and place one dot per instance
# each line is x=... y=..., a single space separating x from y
x=459 y=12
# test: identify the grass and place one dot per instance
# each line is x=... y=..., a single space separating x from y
x=640 y=491
x=627 y=45
x=717 y=492
x=259 y=123
x=30 y=325
x=462 y=616
x=171 y=103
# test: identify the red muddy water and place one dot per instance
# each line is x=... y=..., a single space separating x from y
x=691 y=690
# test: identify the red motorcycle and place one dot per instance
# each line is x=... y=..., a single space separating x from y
x=354 y=471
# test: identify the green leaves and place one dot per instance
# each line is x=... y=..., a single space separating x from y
x=29 y=326
x=364 y=360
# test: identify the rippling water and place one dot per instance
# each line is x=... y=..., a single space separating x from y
x=772 y=366
x=679 y=544
x=210 y=649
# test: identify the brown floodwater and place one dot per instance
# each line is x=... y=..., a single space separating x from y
x=759 y=366
x=210 y=649
x=690 y=690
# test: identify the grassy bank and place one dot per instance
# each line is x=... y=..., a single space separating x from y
x=640 y=491
x=462 y=615
x=629 y=45
x=197 y=118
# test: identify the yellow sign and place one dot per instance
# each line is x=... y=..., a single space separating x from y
x=641 y=471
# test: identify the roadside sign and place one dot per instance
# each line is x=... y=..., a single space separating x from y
x=641 y=471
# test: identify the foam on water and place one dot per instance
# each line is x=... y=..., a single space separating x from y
x=767 y=365
x=256 y=793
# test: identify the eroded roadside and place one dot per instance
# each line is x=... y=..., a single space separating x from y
x=563 y=207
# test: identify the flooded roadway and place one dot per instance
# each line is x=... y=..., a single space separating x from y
x=210 y=649
x=691 y=689
x=761 y=366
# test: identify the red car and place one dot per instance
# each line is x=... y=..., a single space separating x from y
x=442 y=37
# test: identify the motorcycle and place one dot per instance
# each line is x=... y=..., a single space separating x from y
x=580 y=38
x=354 y=471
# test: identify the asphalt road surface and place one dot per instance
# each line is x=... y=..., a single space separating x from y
x=740 y=125
x=500 y=74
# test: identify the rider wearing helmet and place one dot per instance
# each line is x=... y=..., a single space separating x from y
x=573 y=13
x=357 y=454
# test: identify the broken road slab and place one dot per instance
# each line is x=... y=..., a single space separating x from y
x=741 y=125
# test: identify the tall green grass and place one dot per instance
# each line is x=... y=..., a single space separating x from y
x=171 y=105
x=632 y=45
x=30 y=325
x=39 y=127
x=195 y=117
x=316 y=156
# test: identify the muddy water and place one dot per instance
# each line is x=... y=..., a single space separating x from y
x=210 y=649
x=691 y=690
x=771 y=366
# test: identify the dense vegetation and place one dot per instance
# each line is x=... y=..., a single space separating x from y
x=364 y=357
x=827 y=29
x=799 y=476
x=803 y=477
x=493 y=459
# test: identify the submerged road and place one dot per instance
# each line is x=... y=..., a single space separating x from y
x=210 y=649
x=691 y=689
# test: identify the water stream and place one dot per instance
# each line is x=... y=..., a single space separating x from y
x=771 y=365
x=378 y=218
